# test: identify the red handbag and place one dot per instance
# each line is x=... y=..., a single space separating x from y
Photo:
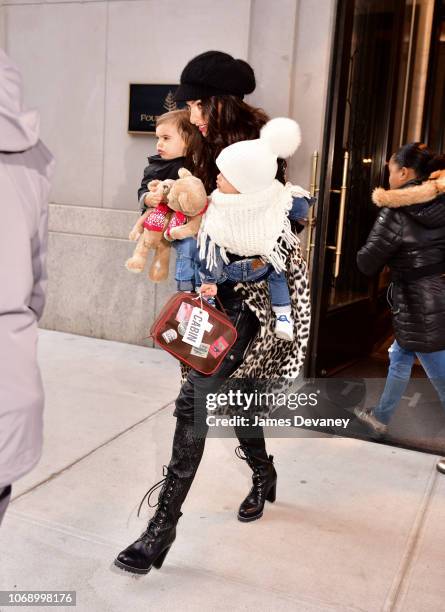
x=194 y=332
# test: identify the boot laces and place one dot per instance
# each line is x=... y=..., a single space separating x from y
x=253 y=460
x=241 y=453
x=255 y=464
x=168 y=474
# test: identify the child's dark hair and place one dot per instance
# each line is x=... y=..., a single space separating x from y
x=420 y=158
x=189 y=133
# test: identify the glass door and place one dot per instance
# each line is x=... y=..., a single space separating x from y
x=358 y=136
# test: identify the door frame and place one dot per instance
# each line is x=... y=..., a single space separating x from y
x=344 y=15
x=438 y=17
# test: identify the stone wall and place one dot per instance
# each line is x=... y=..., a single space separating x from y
x=77 y=60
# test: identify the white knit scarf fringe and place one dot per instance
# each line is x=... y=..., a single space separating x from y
x=250 y=225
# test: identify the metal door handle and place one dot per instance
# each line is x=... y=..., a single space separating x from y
x=341 y=217
x=313 y=189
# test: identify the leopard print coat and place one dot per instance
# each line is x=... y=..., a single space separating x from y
x=268 y=357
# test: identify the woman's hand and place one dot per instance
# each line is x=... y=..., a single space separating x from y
x=208 y=290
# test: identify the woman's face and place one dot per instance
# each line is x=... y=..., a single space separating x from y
x=399 y=176
x=197 y=116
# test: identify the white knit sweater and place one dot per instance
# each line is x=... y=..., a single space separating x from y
x=249 y=225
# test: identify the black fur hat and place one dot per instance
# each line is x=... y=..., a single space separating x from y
x=215 y=73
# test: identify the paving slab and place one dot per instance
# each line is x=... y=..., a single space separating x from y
x=95 y=389
x=59 y=559
x=356 y=526
x=423 y=585
x=336 y=538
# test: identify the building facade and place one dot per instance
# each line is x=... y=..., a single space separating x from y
x=360 y=76
x=78 y=59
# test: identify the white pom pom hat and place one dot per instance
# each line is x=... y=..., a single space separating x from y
x=251 y=165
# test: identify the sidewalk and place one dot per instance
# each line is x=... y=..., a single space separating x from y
x=356 y=526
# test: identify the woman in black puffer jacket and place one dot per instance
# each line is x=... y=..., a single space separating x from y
x=409 y=237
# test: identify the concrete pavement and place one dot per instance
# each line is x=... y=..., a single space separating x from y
x=356 y=526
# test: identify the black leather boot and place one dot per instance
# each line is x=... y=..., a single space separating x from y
x=151 y=548
x=264 y=480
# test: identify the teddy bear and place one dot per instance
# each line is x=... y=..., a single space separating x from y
x=136 y=263
x=178 y=216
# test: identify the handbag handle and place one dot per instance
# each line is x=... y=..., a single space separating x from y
x=221 y=304
x=198 y=295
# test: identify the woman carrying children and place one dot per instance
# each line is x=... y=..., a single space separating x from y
x=213 y=85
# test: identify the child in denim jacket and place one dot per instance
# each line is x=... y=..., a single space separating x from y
x=249 y=215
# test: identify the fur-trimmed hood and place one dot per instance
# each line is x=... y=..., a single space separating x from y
x=412 y=194
x=425 y=201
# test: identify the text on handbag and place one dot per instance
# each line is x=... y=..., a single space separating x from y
x=196 y=327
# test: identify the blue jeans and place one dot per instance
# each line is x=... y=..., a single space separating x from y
x=401 y=363
x=243 y=271
x=187 y=264
x=278 y=289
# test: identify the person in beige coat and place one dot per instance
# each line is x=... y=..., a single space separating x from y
x=25 y=169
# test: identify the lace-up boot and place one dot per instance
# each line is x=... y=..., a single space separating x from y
x=151 y=548
x=264 y=481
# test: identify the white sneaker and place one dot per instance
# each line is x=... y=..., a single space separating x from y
x=284 y=328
